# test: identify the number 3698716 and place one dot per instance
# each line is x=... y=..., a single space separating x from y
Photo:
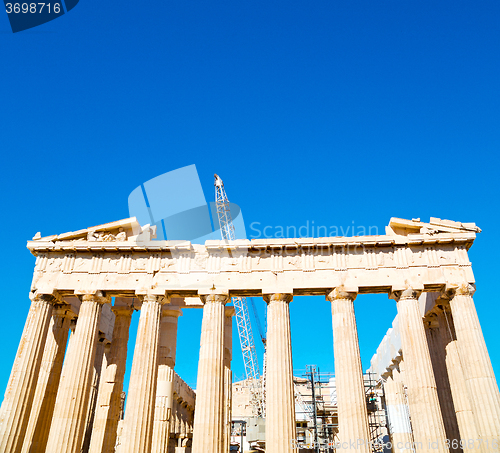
x=32 y=8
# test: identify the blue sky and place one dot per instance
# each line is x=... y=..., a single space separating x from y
x=326 y=111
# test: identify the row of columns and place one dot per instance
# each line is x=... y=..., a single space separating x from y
x=109 y=398
x=48 y=379
x=76 y=407
x=18 y=400
x=448 y=379
x=181 y=423
x=457 y=382
x=397 y=412
x=430 y=431
x=146 y=425
x=280 y=404
x=427 y=422
x=480 y=379
x=438 y=361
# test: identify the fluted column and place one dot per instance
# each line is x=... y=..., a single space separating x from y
x=108 y=409
x=182 y=420
x=438 y=359
x=191 y=420
x=351 y=398
x=209 y=413
x=72 y=402
x=139 y=412
x=479 y=375
x=184 y=428
x=173 y=416
x=178 y=419
x=397 y=412
x=280 y=407
x=18 y=399
x=164 y=390
x=459 y=392
x=427 y=422
x=228 y=376
x=94 y=389
x=44 y=400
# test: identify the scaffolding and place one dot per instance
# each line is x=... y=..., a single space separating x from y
x=377 y=414
x=317 y=415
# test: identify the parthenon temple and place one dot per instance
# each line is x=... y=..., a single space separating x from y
x=67 y=396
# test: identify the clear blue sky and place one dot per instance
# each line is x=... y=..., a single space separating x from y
x=322 y=111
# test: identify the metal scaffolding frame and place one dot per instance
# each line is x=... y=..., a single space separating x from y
x=322 y=418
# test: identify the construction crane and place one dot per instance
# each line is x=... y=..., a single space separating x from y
x=252 y=372
x=250 y=361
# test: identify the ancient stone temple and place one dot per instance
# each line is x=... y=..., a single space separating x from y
x=66 y=396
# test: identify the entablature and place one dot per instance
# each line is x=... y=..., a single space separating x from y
x=412 y=253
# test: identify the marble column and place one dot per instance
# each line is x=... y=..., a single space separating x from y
x=280 y=406
x=173 y=417
x=351 y=396
x=228 y=376
x=438 y=359
x=209 y=413
x=164 y=390
x=44 y=400
x=139 y=411
x=183 y=413
x=426 y=419
x=191 y=420
x=398 y=415
x=108 y=409
x=476 y=363
x=178 y=420
x=183 y=417
x=72 y=402
x=18 y=399
x=459 y=392
x=102 y=344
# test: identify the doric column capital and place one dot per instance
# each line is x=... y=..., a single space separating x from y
x=340 y=293
x=123 y=306
x=443 y=309
x=62 y=311
x=277 y=297
x=101 y=338
x=408 y=293
x=47 y=298
x=153 y=298
x=464 y=289
x=431 y=321
x=46 y=295
x=122 y=310
x=98 y=298
x=214 y=298
x=172 y=311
